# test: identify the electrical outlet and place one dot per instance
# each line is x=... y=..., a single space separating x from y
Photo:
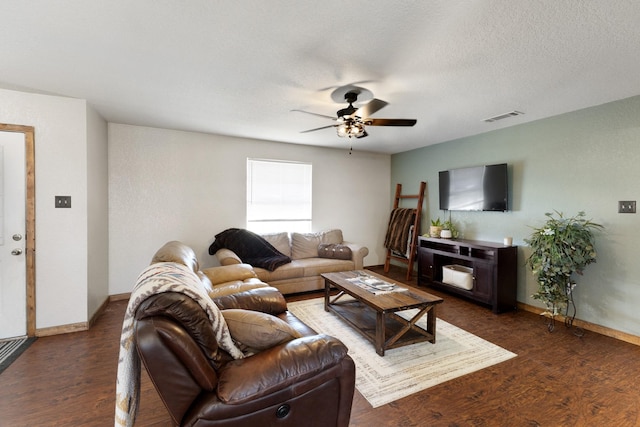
x=627 y=206
x=63 y=201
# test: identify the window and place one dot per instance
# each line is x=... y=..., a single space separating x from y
x=278 y=196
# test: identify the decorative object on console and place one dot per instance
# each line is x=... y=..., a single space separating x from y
x=560 y=248
x=445 y=233
x=458 y=275
x=449 y=225
x=436 y=227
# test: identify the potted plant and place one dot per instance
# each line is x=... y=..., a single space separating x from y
x=435 y=228
x=449 y=230
x=560 y=248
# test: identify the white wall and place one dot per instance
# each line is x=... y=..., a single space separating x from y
x=171 y=185
x=98 y=212
x=61 y=169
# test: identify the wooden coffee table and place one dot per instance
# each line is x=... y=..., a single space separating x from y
x=375 y=316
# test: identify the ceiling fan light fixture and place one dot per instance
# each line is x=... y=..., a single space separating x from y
x=350 y=129
x=351 y=121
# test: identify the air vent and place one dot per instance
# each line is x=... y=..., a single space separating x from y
x=503 y=116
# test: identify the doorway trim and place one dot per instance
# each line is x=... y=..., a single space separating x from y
x=30 y=208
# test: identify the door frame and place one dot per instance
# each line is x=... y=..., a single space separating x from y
x=30 y=226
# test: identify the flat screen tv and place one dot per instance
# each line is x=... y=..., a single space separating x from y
x=480 y=188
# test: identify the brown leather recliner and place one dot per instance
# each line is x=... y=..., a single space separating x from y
x=308 y=381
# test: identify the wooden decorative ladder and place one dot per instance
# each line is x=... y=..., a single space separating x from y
x=416 y=229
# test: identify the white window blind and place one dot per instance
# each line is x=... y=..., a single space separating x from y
x=278 y=196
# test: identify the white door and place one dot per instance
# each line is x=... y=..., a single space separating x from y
x=13 y=289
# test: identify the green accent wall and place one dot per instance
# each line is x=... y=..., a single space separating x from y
x=585 y=160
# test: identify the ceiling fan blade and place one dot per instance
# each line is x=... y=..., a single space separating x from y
x=371 y=107
x=363 y=135
x=313 y=130
x=390 y=122
x=316 y=114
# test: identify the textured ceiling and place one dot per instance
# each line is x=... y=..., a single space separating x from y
x=238 y=67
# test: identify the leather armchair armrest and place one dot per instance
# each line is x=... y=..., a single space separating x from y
x=278 y=367
x=227 y=257
x=229 y=273
x=358 y=252
x=266 y=300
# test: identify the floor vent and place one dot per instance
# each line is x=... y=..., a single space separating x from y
x=503 y=116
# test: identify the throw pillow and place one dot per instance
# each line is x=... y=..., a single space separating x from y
x=330 y=250
x=305 y=245
x=280 y=241
x=257 y=330
x=331 y=236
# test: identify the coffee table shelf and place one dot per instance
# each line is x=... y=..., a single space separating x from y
x=376 y=316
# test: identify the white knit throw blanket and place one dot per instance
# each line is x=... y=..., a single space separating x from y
x=155 y=279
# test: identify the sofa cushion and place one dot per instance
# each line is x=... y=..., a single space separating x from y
x=257 y=330
x=284 y=371
x=280 y=241
x=308 y=267
x=331 y=236
x=305 y=245
x=331 y=250
x=234 y=286
x=294 y=269
x=325 y=265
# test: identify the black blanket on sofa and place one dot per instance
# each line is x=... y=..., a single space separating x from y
x=250 y=247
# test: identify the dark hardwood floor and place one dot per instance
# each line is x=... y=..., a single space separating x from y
x=557 y=379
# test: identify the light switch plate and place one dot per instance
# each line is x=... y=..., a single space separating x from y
x=63 y=201
x=627 y=206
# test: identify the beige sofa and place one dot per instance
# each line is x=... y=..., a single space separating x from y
x=311 y=255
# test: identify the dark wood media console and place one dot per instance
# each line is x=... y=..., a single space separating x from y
x=494 y=266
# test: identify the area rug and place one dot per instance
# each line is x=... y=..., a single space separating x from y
x=11 y=349
x=404 y=370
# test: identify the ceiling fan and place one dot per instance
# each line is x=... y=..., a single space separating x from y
x=351 y=121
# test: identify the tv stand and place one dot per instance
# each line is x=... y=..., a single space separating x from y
x=494 y=269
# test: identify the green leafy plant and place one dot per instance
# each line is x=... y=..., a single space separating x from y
x=448 y=225
x=560 y=248
x=436 y=227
